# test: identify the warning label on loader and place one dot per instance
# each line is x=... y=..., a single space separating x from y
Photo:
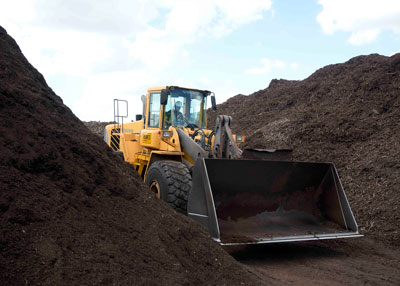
x=147 y=138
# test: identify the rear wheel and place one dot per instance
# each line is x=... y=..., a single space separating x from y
x=170 y=181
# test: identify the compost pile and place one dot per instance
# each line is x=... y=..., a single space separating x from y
x=72 y=213
x=345 y=113
x=97 y=127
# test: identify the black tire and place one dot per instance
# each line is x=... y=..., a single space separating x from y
x=174 y=181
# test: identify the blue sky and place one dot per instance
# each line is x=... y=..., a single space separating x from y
x=93 y=51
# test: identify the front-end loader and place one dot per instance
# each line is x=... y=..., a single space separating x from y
x=202 y=173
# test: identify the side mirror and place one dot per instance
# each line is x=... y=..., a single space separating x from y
x=164 y=97
x=143 y=98
x=138 y=117
x=213 y=103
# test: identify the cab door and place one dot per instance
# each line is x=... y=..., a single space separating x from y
x=154 y=111
x=149 y=137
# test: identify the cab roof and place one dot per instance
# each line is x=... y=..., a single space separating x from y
x=159 y=88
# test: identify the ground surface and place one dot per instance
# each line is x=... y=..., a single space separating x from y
x=343 y=262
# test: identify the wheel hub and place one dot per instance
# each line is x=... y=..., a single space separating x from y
x=155 y=188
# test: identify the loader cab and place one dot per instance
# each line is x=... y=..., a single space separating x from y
x=183 y=107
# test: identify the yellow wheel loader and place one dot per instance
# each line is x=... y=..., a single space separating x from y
x=255 y=196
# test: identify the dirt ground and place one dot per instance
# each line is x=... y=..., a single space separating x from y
x=342 y=262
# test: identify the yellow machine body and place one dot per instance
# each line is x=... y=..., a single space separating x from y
x=143 y=139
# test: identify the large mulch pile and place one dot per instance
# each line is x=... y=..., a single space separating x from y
x=97 y=127
x=345 y=113
x=72 y=213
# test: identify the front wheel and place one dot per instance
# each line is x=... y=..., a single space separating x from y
x=171 y=182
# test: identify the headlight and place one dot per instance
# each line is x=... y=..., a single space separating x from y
x=166 y=134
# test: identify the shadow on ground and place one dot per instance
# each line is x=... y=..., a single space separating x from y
x=281 y=252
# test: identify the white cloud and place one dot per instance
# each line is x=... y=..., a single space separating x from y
x=101 y=89
x=114 y=46
x=120 y=17
x=294 y=66
x=223 y=88
x=364 y=19
x=358 y=38
x=232 y=13
x=204 y=80
x=190 y=20
x=71 y=52
x=269 y=64
x=11 y=11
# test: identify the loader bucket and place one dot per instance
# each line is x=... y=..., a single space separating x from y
x=258 y=201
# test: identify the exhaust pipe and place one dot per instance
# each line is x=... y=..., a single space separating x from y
x=256 y=201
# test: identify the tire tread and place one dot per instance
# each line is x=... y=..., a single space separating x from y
x=179 y=183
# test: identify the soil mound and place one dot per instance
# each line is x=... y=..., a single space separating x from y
x=97 y=127
x=345 y=113
x=72 y=213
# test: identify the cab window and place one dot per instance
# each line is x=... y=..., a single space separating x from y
x=185 y=108
x=154 y=109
